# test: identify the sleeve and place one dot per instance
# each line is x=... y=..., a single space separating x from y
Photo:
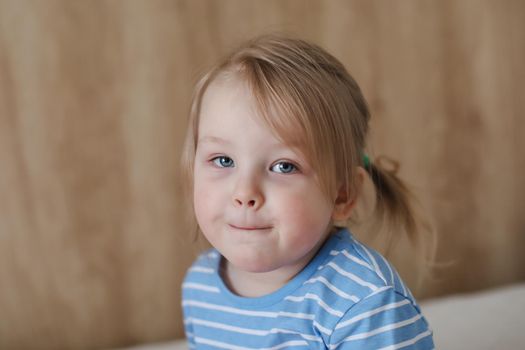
x=188 y=330
x=186 y=319
x=384 y=320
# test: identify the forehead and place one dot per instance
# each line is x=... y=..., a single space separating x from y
x=227 y=104
x=226 y=94
x=228 y=115
x=231 y=98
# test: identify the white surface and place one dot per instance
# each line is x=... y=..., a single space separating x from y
x=492 y=319
x=487 y=320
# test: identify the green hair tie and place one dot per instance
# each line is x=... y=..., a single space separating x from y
x=366 y=160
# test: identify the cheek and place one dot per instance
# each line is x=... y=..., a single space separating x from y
x=306 y=211
x=198 y=203
x=208 y=199
x=201 y=199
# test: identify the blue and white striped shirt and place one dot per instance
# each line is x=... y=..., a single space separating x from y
x=347 y=297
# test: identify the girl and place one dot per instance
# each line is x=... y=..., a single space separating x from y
x=274 y=155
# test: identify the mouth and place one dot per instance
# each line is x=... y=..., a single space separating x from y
x=250 y=228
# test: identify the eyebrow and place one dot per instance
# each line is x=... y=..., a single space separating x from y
x=213 y=139
x=221 y=141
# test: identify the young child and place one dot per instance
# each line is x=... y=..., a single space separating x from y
x=275 y=159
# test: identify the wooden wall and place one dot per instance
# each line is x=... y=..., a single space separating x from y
x=93 y=102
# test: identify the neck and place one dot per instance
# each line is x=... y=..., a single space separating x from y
x=256 y=284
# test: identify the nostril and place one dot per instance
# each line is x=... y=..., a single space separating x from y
x=249 y=203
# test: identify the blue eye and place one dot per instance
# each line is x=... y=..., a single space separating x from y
x=284 y=168
x=223 y=162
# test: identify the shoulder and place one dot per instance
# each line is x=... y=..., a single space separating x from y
x=379 y=307
x=208 y=259
x=385 y=318
x=199 y=276
x=367 y=270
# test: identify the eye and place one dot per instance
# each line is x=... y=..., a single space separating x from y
x=284 y=168
x=223 y=162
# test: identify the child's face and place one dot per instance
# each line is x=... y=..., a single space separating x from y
x=256 y=200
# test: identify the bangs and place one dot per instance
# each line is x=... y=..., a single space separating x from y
x=293 y=112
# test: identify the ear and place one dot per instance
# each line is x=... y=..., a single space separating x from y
x=345 y=201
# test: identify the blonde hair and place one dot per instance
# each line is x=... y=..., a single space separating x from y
x=308 y=98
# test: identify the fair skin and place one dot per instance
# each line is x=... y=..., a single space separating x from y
x=257 y=200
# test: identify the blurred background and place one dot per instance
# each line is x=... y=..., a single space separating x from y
x=94 y=98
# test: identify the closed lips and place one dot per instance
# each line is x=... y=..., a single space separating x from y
x=250 y=228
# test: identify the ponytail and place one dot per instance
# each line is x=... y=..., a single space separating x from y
x=393 y=198
x=395 y=209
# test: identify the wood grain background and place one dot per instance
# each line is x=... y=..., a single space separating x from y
x=93 y=102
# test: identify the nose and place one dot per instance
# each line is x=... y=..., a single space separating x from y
x=248 y=194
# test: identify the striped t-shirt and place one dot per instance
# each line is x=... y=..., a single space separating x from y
x=347 y=297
